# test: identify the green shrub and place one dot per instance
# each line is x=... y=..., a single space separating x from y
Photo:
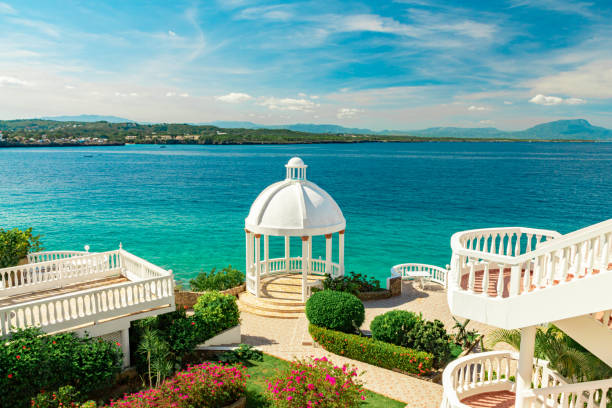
x=64 y=397
x=15 y=245
x=318 y=383
x=407 y=329
x=31 y=361
x=243 y=354
x=352 y=283
x=224 y=279
x=335 y=310
x=372 y=351
x=395 y=327
x=217 y=310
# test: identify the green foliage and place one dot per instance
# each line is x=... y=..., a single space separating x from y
x=396 y=326
x=352 y=283
x=224 y=279
x=243 y=354
x=64 y=397
x=217 y=310
x=464 y=337
x=316 y=381
x=31 y=362
x=335 y=310
x=372 y=351
x=407 y=329
x=15 y=245
x=157 y=353
x=566 y=356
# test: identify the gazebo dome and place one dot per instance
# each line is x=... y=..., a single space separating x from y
x=295 y=207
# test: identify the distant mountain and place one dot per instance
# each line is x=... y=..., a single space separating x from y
x=88 y=118
x=460 y=132
x=297 y=127
x=566 y=129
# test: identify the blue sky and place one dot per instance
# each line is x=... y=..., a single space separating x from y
x=377 y=64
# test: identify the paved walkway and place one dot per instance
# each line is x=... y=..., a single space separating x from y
x=284 y=338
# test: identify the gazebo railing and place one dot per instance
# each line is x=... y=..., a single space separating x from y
x=279 y=265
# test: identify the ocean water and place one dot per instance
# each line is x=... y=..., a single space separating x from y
x=183 y=207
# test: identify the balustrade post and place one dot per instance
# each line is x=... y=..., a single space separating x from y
x=515 y=280
x=500 y=281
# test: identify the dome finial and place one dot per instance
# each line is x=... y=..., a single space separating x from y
x=296 y=169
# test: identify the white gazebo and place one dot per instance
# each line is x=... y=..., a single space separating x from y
x=294 y=207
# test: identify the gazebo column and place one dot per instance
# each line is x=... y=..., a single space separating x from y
x=266 y=254
x=305 y=262
x=287 y=253
x=249 y=255
x=328 y=254
x=341 y=254
x=257 y=263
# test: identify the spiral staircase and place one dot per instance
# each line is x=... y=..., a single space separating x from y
x=520 y=278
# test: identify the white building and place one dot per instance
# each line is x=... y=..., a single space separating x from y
x=97 y=293
x=546 y=277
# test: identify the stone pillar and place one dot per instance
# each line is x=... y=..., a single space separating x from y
x=257 y=263
x=525 y=366
x=125 y=346
x=305 y=262
x=328 y=254
x=266 y=254
x=341 y=255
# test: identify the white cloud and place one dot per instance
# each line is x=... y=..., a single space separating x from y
x=69 y=86
x=488 y=122
x=277 y=13
x=234 y=97
x=184 y=95
x=126 y=94
x=289 y=104
x=6 y=8
x=171 y=33
x=12 y=81
x=540 y=99
x=592 y=80
x=345 y=113
x=314 y=97
x=507 y=103
x=477 y=108
x=170 y=94
x=302 y=95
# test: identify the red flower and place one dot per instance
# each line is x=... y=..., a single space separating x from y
x=10 y=376
x=193 y=323
x=118 y=344
x=18 y=356
x=24 y=347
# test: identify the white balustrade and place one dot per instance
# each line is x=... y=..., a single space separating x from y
x=592 y=394
x=317 y=266
x=148 y=287
x=492 y=371
x=532 y=259
x=45 y=256
x=408 y=270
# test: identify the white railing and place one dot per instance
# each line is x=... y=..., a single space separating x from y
x=592 y=394
x=88 y=306
x=59 y=272
x=279 y=265
x=410 y=270
x=534 y=259
x=490 y=372
x=136 y=268
x=45 y=256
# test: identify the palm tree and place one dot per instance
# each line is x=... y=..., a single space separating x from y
x=157 y=353
x=565 y=356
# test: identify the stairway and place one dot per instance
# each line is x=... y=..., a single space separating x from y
x=281 y=297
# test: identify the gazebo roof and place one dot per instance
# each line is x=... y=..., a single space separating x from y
x=294 y=207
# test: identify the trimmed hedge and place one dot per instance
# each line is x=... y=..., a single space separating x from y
x=335 y=310
x=372 y=351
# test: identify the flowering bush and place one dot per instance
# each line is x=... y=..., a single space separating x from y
x=315 y=383
x=202 y=386
x=372 y=351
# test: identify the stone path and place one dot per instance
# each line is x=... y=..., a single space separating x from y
x=288 y=339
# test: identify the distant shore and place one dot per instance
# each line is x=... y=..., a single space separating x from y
x=251 y=143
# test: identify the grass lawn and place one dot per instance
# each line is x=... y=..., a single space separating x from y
x=267 y=368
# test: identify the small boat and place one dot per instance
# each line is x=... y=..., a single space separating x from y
x=162 y=147
x=88 y=155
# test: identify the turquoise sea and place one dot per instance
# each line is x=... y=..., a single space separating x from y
x=183 y=207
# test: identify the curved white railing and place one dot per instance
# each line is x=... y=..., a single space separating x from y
x=550 y=258
x=592 y=394
x=410 y=270
x=46 y=256
x=492 y=371
x=317 y=266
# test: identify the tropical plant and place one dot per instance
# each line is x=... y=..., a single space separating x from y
x=243 y=354
x=315 y=382
x=564 y=355
x=335 y=310
x=464 y=337
x=157 y=353
x=15 y=245
x=226 y=278
x=206 y=385
x=352 y=283
x=217 y=310
x=31 y=361
x=407 y=329
x=66 y=396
